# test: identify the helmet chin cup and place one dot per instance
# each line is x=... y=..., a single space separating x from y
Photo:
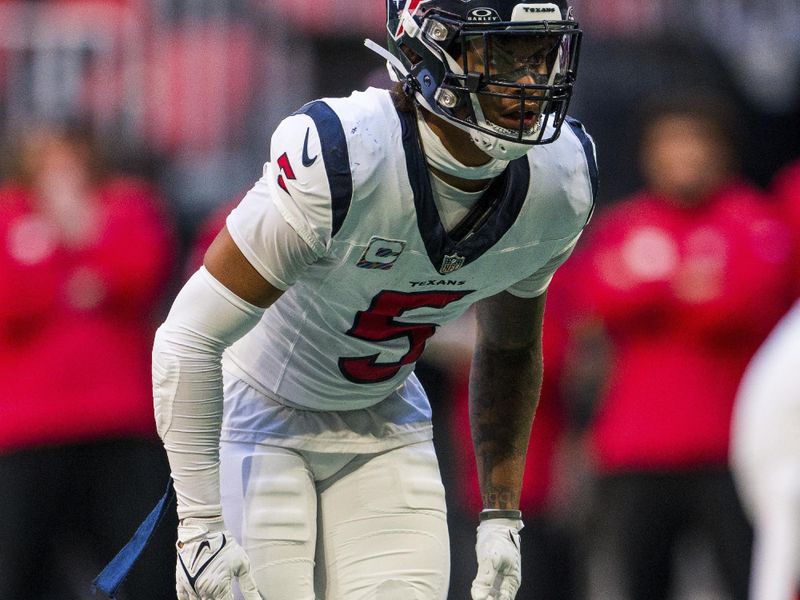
x=494 y=146
x=497 y=147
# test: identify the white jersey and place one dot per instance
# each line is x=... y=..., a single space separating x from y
x=350 y=178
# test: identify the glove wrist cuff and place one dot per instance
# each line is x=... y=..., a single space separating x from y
x=499 y=513
x=193 y=528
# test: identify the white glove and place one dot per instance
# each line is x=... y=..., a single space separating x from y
x=499 y=568
x=208 y=560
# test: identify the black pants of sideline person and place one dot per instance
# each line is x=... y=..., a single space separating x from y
x=66 y=510
x=639 y=518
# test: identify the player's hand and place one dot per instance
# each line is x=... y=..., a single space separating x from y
x=499 y=569
x=208 y=561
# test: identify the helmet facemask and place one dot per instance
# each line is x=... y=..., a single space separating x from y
x=506 y=82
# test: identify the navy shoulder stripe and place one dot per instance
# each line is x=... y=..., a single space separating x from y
x=588 y=149
x=335 y=157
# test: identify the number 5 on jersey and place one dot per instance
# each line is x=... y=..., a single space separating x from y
x=378 y=324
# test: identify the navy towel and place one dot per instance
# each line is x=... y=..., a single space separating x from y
x=115 y=572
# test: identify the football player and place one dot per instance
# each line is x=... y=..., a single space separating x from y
x=765 y=456
x=303 y=460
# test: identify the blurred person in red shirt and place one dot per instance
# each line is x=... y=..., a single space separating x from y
x=84 y=258
x=686 y=277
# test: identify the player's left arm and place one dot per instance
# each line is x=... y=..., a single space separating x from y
x=505 y=382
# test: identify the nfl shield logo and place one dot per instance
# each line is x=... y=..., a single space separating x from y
x=451 y=262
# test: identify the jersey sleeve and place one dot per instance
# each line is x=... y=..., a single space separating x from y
x=269 y=242
x=536 y=284
x=299 y=182
x=285 y=222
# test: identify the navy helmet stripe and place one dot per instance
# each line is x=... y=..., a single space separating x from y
x=335 y=157
x=589 y=151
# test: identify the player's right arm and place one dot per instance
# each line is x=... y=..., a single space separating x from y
x=268 y=241
x=226 y=263
x=220 y=303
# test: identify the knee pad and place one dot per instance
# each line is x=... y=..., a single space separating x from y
x=403 y=480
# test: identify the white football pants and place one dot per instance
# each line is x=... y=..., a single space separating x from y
x=339 y=526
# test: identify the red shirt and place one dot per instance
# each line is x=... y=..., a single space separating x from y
x=76 y=325
x=686 y=295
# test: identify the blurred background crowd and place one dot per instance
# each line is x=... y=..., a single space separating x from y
x=129 y=128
